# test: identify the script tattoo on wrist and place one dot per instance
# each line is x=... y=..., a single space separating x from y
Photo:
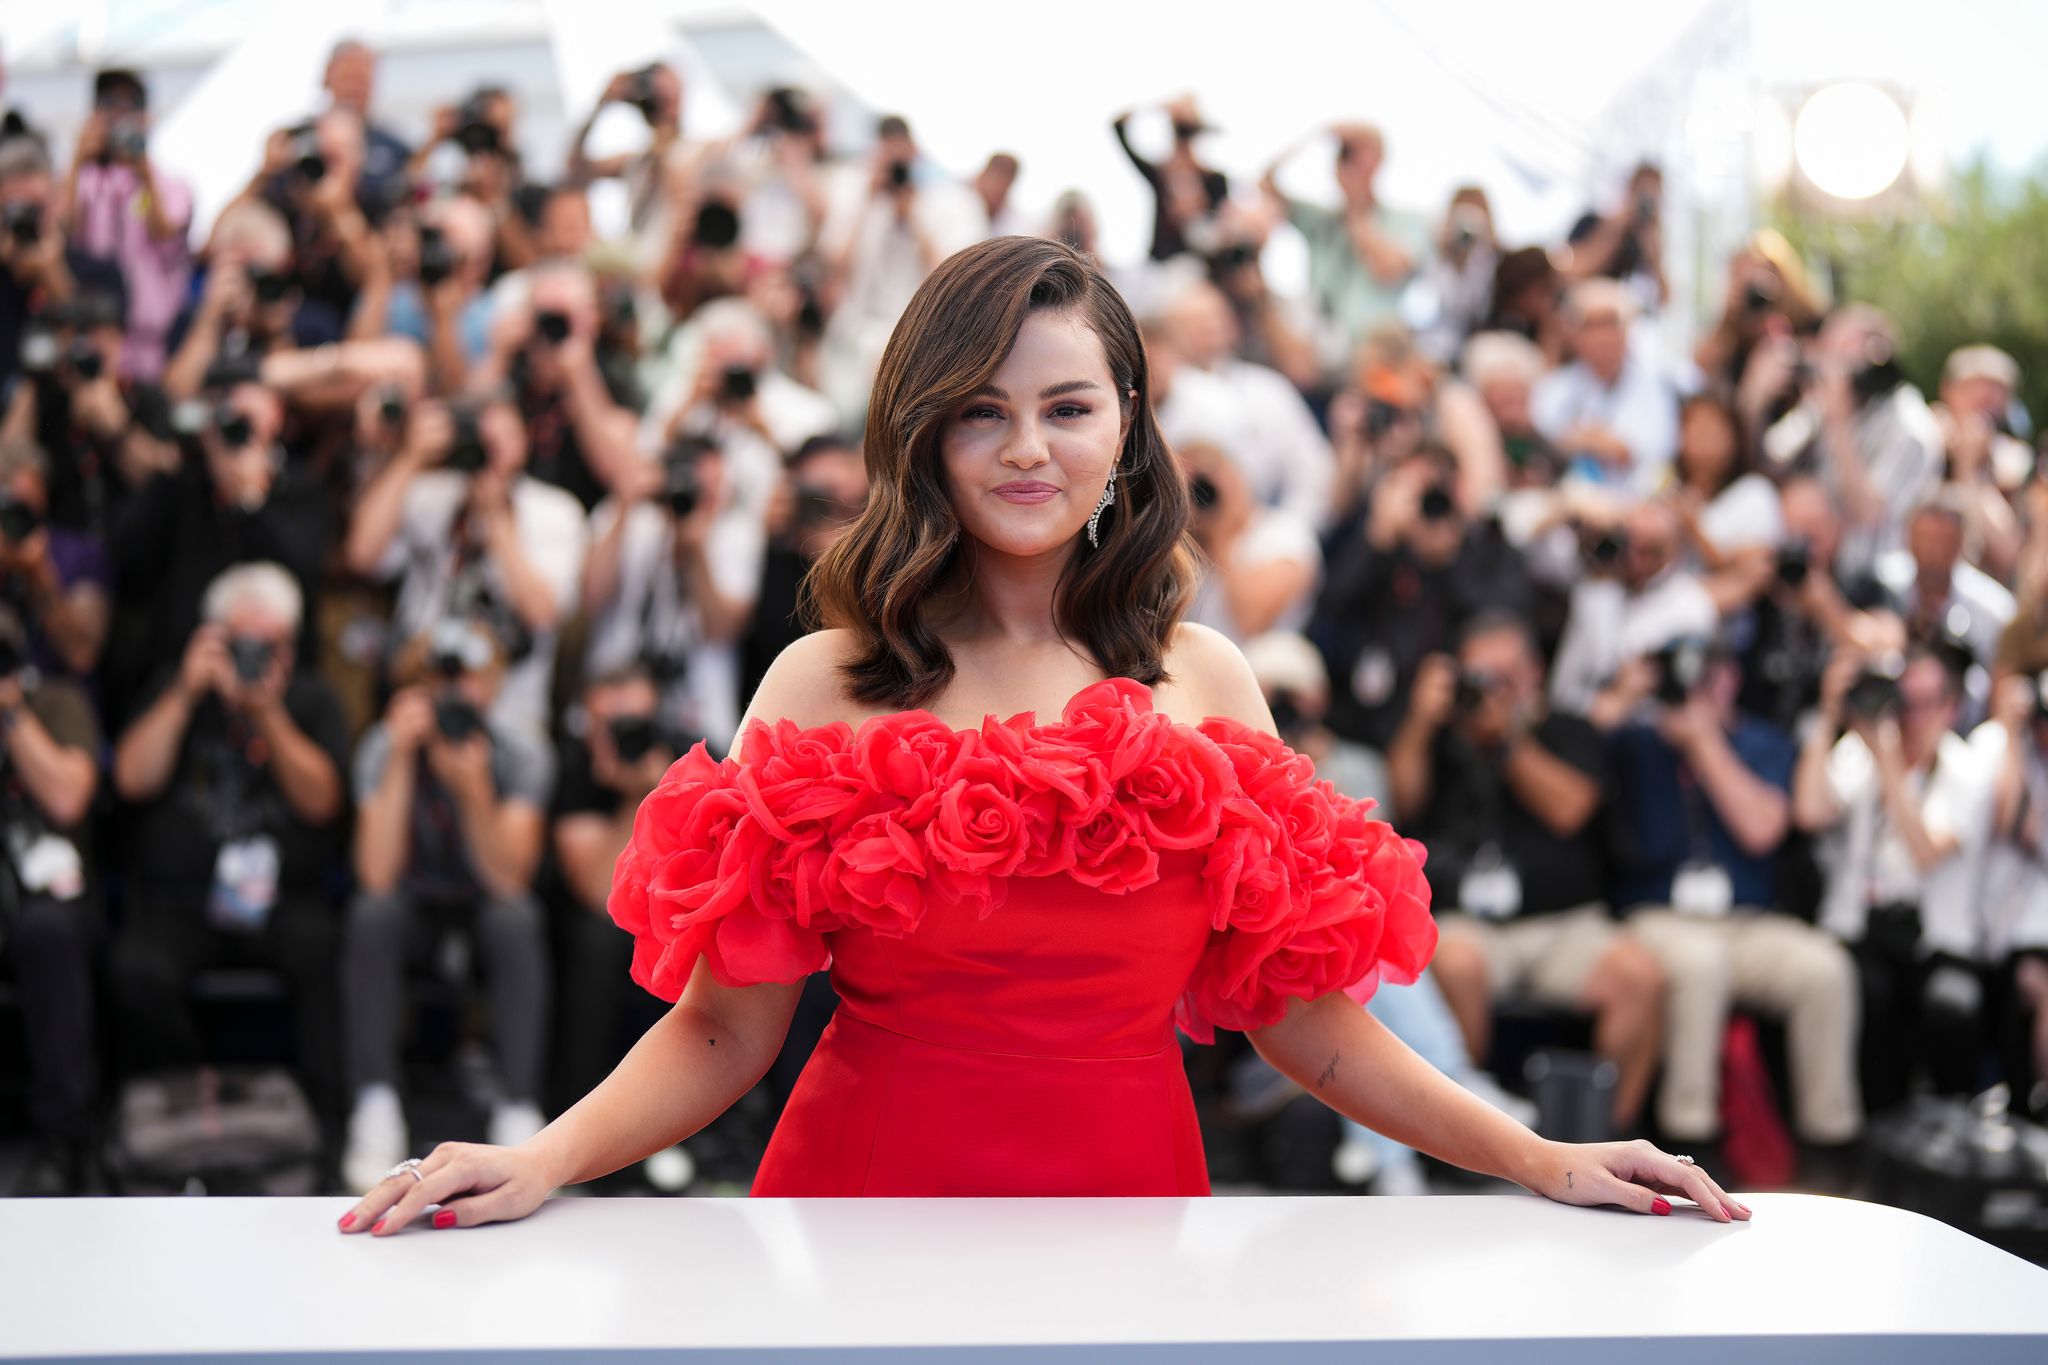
x=1328 y=1072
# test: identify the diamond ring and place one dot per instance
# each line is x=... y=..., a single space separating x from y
x=411 y=1166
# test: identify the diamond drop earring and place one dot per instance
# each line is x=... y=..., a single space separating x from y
x=1108 y=497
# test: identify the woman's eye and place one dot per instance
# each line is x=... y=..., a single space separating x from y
x=977 y=414
x=1071 y=410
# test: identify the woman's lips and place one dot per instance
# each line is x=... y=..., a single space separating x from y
x=1026 y=492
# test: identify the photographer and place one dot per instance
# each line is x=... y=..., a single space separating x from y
x=1634 y=599
x=465 y=531
x=1942 y=596
x=1457 y=284
x=1361 y=254
x=40 y=267
x=1609 y=410
x=671 y=583
x=1908 y=814
x=450 y=822
x=779 y=164
x=56 y=579
x=117 y=206
x=1405 y=589
x=1186 y=194
x=824 y=487
x=234 y=766
x=1514 y=802
x=1866 y=432
x=51 y=916
x=657 y=92
x=1706 y=795
x=1503 y=368
x=239 y=500
x=443 y=305
x=2009 y=970
x=623 y=752
x=351 y=84
x=1277 y=332
x=105 y=434
x=1986 y=463
x=309 y=175
x=1261 y=564
x=1253 y=413
x=1627 y=244
x=578 y=435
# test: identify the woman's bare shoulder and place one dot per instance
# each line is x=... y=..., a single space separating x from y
x=804 y=684
x=1213 y=677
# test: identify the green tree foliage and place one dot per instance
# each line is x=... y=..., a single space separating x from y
x=1971 y=266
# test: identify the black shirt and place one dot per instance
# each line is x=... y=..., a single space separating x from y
x=1167 y=239
x=1471 y=805
x=223 y=789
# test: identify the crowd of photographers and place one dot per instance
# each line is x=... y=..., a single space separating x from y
x=364 y=563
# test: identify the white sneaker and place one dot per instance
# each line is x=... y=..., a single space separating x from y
x=669 y=1170
x=512 y=1124
x=1522 y=1111
x=376 y=1138
x=1354 y=1161
x=1403 y=1177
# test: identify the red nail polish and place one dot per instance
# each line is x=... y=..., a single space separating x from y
x=1662 y=1205
x=445 y=1218
x=378 y=1226
x=348 y=1220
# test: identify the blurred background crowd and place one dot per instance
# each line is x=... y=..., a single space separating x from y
x=370 y=546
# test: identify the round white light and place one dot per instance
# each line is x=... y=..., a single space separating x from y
x=1851 y=140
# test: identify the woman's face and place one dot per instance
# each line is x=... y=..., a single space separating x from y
x=1051 y=417
x=1706 y=445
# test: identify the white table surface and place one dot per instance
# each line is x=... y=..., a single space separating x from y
x=1437 y=1279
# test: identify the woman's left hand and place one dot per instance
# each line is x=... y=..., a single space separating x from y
x=1634 y=1175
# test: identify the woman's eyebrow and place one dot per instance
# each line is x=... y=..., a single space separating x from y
x=1052 y=391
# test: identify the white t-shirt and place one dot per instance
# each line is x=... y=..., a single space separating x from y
x=2014 y=888
x=1608 y=625
x=1744 y=514
x=651 y=618
x=432 y=579
x=1270 y=537
x=1257 y=419
x=1868 y=864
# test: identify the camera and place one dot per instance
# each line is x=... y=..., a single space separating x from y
x=308 y=163
x=717 y=225
x=737 y=384
x=1436 y=503
x=553 y=325
x=1603 y=548
x=251 y=657
x=1232 y=258
x=269 y=286
x=899 y=174
x=86 y=361
x=1879 y=373
x=466 y=448
x=125 y=139
x=437 y=258
x=1757 y=300
x=457 y=647
x=18 y=521
x=680 y=487
x=641 y=93
x=1680 y=667
x=24 y=221
x=1795 y=561
x=634 y=737
x=1287 y=716
x=474 y=131
x=456 y=719
x=233 y=426
x=789 y=111
x=1381 y=417
x=1203 y=490
x=1875 y=692
x=1471 y=690
x=391 y=406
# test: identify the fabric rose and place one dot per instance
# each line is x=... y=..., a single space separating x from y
x=795 y=776
x=1249 y=882
x=874 y=876
x=1112 y=854
x=1058 y=784
x=906 y=755
x=1178 y=792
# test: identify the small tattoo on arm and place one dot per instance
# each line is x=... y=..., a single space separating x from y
x=712 y=1041
x=1567 y=1179
x=1328 y=1072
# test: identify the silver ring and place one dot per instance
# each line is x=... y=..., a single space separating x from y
x=411 y=1166
x=1686 y=1159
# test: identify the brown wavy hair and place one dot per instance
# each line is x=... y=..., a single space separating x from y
x=1121 y=600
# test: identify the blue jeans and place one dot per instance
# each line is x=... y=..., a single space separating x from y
x=1418 y=1016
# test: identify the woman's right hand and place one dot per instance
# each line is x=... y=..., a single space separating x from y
x=472 y=1182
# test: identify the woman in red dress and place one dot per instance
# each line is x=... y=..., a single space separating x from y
x=1029 y=820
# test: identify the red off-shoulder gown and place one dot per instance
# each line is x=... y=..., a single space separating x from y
x=1015 y=918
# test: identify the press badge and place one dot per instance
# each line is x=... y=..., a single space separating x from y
x=1490 y=888
x=1702 y=889
x=244 y=884
x=48 y=865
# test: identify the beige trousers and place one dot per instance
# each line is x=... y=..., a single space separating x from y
x=1779 y=966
